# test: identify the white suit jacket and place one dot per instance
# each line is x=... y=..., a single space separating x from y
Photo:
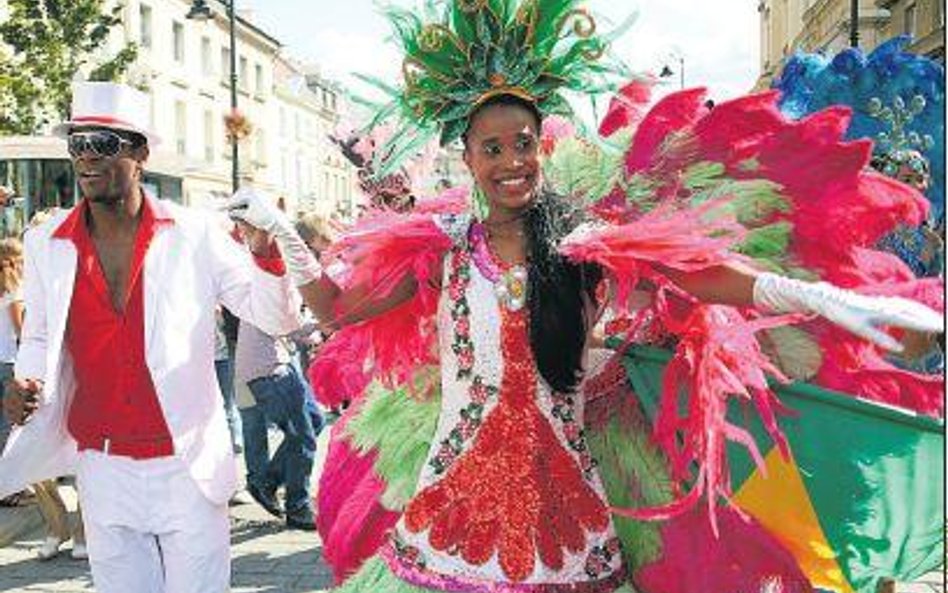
x=191 y=265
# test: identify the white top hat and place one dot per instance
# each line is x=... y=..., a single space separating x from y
x=109 y=105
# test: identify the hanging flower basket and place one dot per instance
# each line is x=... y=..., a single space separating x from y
x=237 y=126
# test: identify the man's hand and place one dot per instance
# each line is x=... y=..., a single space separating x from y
x=261 y=212
x=257 y=210
x=21 y=399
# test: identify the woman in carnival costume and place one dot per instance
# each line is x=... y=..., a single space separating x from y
x=474 y=456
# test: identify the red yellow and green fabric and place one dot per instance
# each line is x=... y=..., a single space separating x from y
x=862 y=496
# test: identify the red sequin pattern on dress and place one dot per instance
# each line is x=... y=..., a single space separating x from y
x=517 y=492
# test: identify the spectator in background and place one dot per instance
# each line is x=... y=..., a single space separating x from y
x=318 y=234
x=316 y=231
x=50 y=503
x=224 y=367
x=11 y=313
x=11 y=322
x=263 y=363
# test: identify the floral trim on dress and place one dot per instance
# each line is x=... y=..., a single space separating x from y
x=462 y=345
x=418 y=576
x=599 y=561
x=408 y=554
x=564 y=406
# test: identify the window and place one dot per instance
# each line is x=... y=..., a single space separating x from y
x=144 y=25
x=177 y=39
x=298 y=125
x=258 y=79
x=910 y=15
x=225 y=65
x=261 y=146
x=282 y=122
x=242 y=79
x=299 y=175
x=206 y=67
x=180 y=127
x=209 y=136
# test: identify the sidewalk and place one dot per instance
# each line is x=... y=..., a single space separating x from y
x=267 y=558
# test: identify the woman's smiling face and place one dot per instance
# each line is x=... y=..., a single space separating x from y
x=501 y=151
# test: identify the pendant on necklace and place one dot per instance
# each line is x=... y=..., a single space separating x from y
x=511 y=288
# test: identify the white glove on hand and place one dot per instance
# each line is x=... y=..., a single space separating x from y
x=261 y=212
x=858 y=313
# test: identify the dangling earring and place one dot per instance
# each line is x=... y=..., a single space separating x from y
x=479 y=203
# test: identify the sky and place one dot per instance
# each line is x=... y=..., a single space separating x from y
x=717 y=41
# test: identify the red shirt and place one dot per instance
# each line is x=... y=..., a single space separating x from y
x=115 y=398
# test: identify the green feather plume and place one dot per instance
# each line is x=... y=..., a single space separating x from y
x=458 y=53
x=634 y=474
x=399 y=428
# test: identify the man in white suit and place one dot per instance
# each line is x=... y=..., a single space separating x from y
x=115 y=378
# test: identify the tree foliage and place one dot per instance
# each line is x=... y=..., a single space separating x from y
x=46 y=43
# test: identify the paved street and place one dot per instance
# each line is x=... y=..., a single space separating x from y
x=266 y=557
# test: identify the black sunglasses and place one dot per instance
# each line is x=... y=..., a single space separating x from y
x=100 y=143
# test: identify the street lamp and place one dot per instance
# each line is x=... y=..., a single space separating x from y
x=200 y=11
x=854 y=23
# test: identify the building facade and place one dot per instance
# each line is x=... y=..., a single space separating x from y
x=305 y=112
x=924 y=20
x=787 y=26
x=184 y=65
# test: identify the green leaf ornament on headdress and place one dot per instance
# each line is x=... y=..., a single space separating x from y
x=461 y=53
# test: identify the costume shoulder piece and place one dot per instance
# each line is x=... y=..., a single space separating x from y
x=454 y=226
x=380 y=251
x=698 y=188
x=897 y=100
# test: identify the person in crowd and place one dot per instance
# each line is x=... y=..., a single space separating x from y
x=262 y=362
x=318 y=234
x=48 y=500
x=114 y=380
x=11 y=314
x=224 y=367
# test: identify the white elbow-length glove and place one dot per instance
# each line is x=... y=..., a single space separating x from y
x=260 y=211
x=858 y=313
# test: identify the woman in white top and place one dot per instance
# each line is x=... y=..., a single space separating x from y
x=50 y=503
x=11 y=315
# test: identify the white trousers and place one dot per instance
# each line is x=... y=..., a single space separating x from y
x=149 y=529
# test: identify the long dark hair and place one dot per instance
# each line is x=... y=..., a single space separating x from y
x=558 y=291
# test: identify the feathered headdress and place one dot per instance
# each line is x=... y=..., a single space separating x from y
x=460 y=53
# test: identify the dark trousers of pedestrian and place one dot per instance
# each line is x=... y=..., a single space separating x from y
x=225 y=379
x=284 y=400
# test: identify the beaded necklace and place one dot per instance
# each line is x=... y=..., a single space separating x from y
x=510 y=280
